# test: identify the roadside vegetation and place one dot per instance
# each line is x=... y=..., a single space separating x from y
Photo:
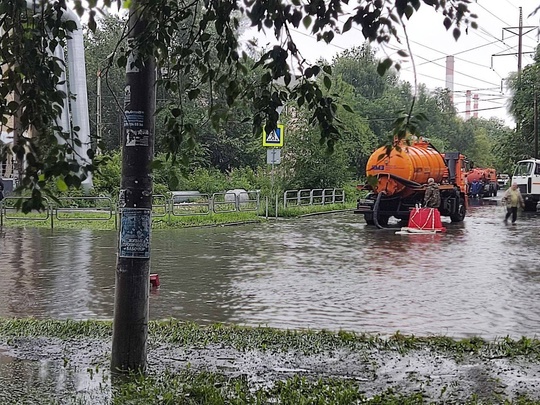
x=244 y=338
x=193 y=384
x=96 y=209
x=374 y=102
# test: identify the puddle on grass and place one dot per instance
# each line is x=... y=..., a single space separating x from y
x=25 y=380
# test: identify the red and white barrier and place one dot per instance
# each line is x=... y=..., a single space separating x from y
x=424 y=220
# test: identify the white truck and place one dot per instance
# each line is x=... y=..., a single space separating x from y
x=502 y=180
x=527 y=176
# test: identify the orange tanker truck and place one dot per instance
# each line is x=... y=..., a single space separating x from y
x=482 y=182
x=397 y=182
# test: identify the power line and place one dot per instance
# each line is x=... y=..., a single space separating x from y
x=480 y=109
x=504 y=22
x=444 y=80
x=511 y=4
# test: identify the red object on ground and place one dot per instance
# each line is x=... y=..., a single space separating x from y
x=154 y=280
x=426 y=218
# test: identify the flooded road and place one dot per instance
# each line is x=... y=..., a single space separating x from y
x=480 y=278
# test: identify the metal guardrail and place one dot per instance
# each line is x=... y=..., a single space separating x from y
x=192 y=205
x=231 y=202
x=103 y=208
x=316 y=196
x=333 y=196
x=7 y=205
x=251 y=203
x=224 y=202
x=71 y=208
x=160 y=205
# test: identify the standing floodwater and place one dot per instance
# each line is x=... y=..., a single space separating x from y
x=329 y=271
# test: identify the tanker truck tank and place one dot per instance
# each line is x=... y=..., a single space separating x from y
x=411 y=165
x=397 y=178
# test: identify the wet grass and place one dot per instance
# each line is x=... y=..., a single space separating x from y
x=307 y=342
x=96 y=221
x=298 y=211
x=227 y=218
x=190 y=386
x=208 y=388
x=101 y=220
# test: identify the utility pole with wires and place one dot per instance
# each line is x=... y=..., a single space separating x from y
x=519 y=31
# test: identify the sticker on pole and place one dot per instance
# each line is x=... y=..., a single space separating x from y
x=134 y=241
x=274 y=138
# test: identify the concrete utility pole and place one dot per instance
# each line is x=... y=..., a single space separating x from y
x=130 y=325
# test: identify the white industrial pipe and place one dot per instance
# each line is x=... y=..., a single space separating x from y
x=63 y=121
x=76 y=67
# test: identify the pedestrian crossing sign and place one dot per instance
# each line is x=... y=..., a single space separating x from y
x=274 y=138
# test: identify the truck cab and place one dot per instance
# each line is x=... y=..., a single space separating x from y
x=502 y=180
x=527 y=176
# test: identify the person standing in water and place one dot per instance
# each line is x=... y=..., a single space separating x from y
x=512 y=198
x=432 y=199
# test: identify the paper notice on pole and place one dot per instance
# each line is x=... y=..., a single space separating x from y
x=134 y=241
x=137 y=137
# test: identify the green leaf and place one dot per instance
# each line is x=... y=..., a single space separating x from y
x=447 y=23
x=327 y=82
x=307 y=21
x=383 y=66
x=157 y=164
x=348 y=25
x=409 y=12
x=61 y=184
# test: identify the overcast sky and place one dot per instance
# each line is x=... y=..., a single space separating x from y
x=483 y=58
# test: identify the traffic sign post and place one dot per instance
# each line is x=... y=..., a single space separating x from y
x=273 y=156
x=274 y=140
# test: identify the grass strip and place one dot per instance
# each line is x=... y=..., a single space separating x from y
x=244 y=338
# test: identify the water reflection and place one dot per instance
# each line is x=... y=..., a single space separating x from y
x=480 y=277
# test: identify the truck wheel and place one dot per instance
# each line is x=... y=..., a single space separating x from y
x=460 y=214
x=369 y=219
x=530 y=206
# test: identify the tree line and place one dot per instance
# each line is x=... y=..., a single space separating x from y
x=213 y=98
x=371 y=102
